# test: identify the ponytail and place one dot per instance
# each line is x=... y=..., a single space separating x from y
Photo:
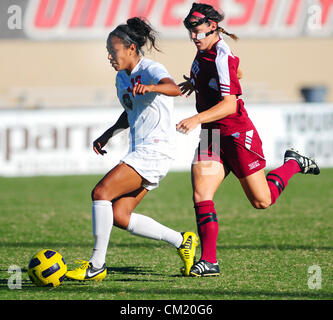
x=143 y=33
x=137 y=31
x=231 y=35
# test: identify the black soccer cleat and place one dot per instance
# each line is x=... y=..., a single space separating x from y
x=204 y=268
x=307 y=165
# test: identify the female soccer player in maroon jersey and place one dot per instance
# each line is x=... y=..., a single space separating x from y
x=228 y=141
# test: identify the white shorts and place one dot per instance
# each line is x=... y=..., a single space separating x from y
x=150 y=165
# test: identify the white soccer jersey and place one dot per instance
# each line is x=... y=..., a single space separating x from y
x=150 y=115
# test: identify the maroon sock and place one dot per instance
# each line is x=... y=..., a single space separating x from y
x=208 y=229
x=278 y=178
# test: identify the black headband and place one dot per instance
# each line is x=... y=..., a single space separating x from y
x=192 y=24
x=124 y=36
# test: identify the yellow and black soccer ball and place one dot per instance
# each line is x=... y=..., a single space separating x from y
x=47 y=268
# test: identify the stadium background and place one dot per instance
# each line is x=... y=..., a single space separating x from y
x=57 y=88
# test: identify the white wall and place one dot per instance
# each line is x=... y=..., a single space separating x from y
x=59 y=141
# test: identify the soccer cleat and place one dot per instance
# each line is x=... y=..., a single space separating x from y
x=182 y=269
x=187 y=250
x=204 y=268
x=87 y=272
x=307 y=165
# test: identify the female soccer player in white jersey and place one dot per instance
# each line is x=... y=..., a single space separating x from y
x=145 y=90
x=229 y=140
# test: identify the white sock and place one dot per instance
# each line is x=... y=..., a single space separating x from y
x=144 y=226
x=102 y=218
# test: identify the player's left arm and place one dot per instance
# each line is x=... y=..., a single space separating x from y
x=120 y=125
x=165 y=86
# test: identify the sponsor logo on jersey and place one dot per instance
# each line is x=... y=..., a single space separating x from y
x=254 y=165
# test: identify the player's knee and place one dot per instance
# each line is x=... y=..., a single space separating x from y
x=99 y=193
x=121 y=217
x=261 y=203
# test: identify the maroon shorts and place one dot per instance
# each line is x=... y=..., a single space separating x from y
x=240 y=152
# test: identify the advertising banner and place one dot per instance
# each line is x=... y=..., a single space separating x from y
x=59 y=142
x=94 y=19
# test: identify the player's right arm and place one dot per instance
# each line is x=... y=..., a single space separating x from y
x=165 y=86
x=187 y=88
x=120 y=125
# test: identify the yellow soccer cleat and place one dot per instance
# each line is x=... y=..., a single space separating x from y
x=187 y=251
x=86 y=272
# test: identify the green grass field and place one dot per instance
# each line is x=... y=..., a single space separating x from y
x=262 y=254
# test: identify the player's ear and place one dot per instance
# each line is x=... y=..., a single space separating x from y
x=213 y=24
x=132 y=48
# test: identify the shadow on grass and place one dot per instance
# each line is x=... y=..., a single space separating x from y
x=132 y=270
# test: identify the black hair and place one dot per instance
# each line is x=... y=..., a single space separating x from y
x=210 y=15
x=137 y=31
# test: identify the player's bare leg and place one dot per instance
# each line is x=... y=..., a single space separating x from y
x=138 y=224
x=125 y=205
x=121 y=180
x=257 y=190
x=207 y=176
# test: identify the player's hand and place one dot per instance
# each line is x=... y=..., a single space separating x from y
x=141 y=89
x=186 y=87
x=98 y=145
x=239 y=74
x=187 y=125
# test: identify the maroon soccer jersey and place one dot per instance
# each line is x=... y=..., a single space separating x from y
x=214 y=75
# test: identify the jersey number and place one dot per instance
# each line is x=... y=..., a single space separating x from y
x=126 y=97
